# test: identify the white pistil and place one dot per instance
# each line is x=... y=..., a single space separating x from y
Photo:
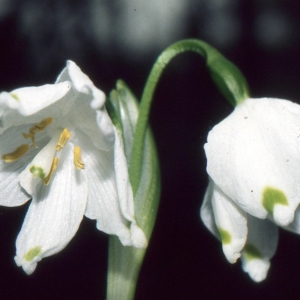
x=42 y=163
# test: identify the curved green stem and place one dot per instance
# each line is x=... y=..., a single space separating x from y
x=226 y=76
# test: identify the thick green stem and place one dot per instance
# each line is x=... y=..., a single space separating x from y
x=226 y=76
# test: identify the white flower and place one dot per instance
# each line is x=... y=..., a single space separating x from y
x=253 y=161
x=60 y=148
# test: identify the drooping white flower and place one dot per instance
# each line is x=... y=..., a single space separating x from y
x=59 y=147
x=254 y=166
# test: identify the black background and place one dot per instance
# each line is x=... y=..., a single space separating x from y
x=183 y=260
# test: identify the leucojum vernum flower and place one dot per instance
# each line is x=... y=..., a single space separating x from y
x=60 y=148
x=253 y=165
x=254 y=168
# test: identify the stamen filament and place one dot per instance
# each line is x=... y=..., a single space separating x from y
x=64 y=137
x=77 y=158
x=47 y=179
x=18 y=153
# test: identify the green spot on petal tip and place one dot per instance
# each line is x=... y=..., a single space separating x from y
x=32 y=253
x=15 y=96
x=225 y=236
x=37 y=172
x=271 y=197
x=251 y=252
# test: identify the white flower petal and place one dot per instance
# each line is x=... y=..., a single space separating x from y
x=82 y=83
x=295 y=225
x=34 y=104
x=103 y=204
x=104 y=198
x=207 y=213
x=256 y=268
x=11 y=192
x=89 y=110
x=248 y=155
x=231 y=222
x=54 y=214
x=41 y=162
x=260 y=247
x=33 y=99
x=125 y=193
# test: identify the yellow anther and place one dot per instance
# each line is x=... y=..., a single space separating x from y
x=43 y=124
x=18 y=153
x=77 y=158
x=37 y=128
x=47 y=179
x=65 y=135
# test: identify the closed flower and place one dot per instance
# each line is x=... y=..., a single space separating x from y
x=253 y=162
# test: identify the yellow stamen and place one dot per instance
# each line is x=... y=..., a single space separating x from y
x=47 y=179
x=37 y=128
x=65 y=135
x=77 y=158
x=18 y=153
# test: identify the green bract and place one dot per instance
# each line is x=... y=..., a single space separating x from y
x=125 y=262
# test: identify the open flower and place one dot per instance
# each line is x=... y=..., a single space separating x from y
x=254 y=167
x=60 y=148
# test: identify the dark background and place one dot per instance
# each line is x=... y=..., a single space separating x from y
x=115 y=39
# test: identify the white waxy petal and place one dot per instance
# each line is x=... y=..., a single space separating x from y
x=103 y=200
x=295 y=225
x=231 y=222
x=33 y=99
x=33 y=104
x=207 y=213
x=256 y=268
x=96 y=124
x=125 y=193
x=256 y=149
x=54 y=215
x=11 y=192
x=103 y=204
x=89 y=110
x=82 y=84
x=260 y=247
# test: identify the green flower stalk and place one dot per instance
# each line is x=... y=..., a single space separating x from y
x=227 y=77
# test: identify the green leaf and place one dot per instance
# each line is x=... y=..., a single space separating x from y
x=124 y=263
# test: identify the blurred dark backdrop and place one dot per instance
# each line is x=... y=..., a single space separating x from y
x=112 y=39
